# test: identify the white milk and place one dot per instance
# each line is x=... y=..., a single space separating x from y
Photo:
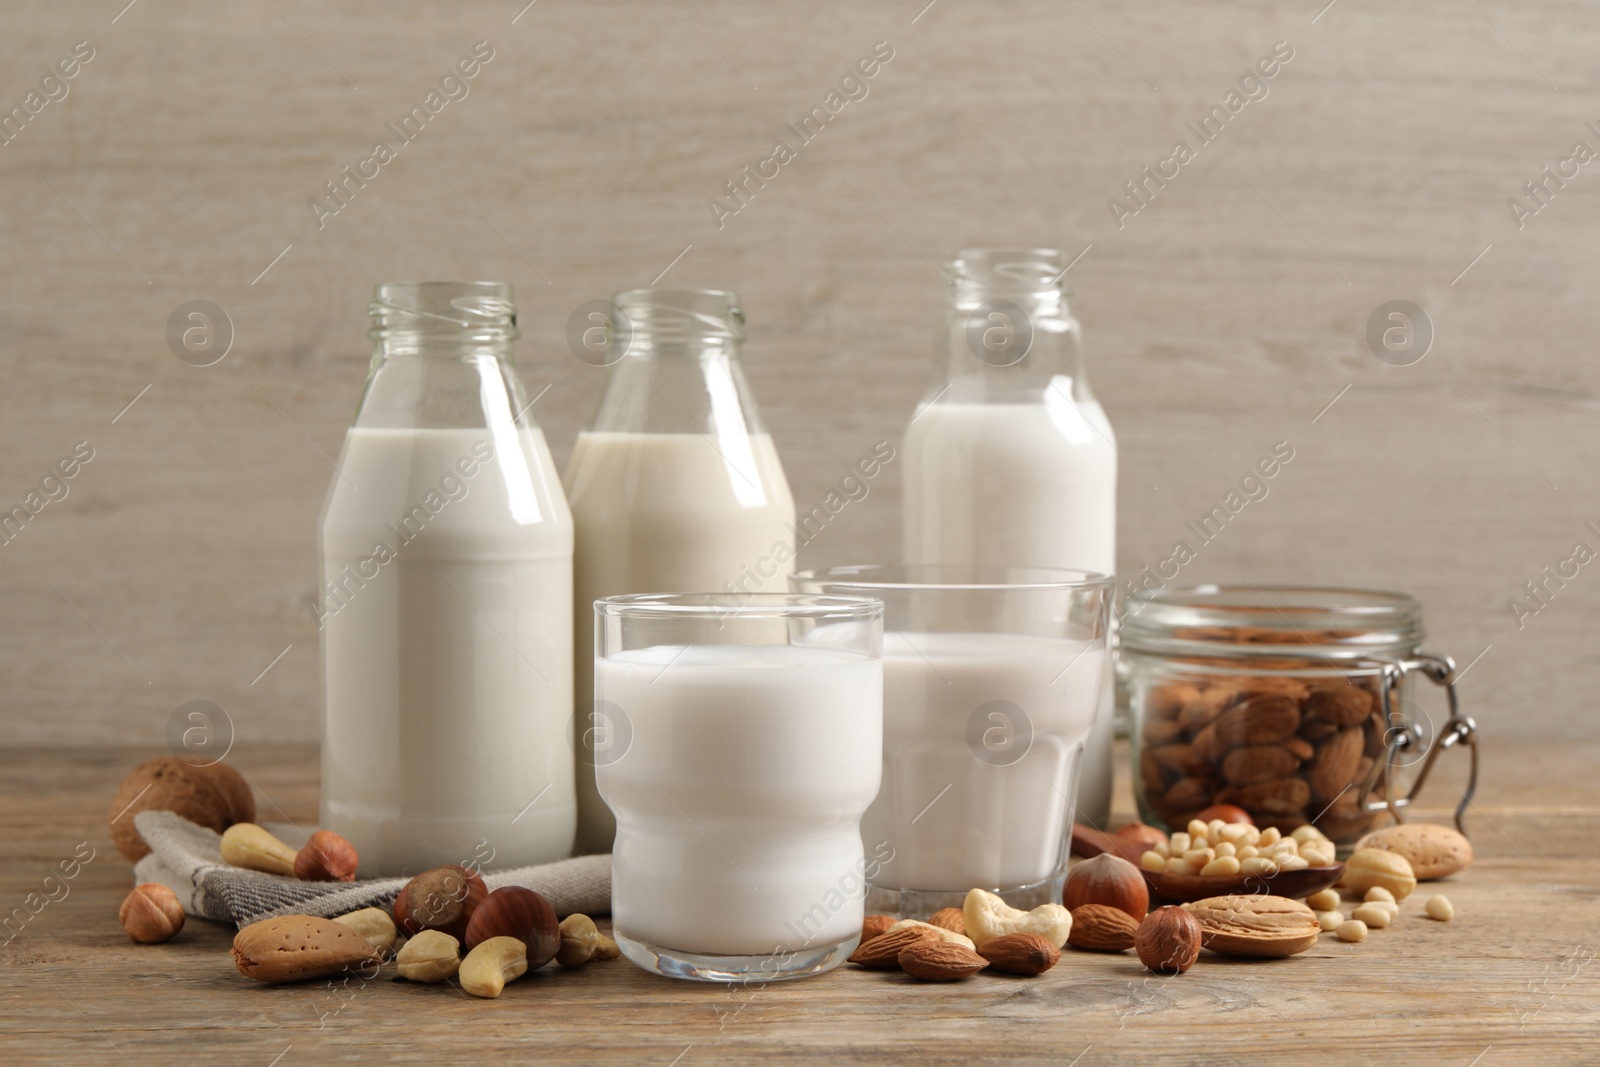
x=953 y=820
x=447 y=652
x=669 y=513
x=1020 y=485
x=739 y=800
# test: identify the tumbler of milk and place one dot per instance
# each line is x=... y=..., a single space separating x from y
x=747 y=737
x=1009 y=460
x=446 y=600
x=992 y=679
x=674 y=482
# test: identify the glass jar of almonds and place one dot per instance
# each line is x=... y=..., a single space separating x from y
x=1289 y=702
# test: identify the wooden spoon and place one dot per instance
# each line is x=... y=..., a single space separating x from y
x=1087 y=841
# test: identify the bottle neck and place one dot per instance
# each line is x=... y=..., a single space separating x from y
x=675 y=365
x=1009 y=333
x=442 y=357
x=1011 y=345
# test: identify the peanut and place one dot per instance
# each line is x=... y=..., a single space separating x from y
x=496 y=961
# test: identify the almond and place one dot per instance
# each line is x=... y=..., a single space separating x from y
x=949 y=919
x=1275 y=796
x=292 y=948
x=1101 y=928
x=1342 y=704
x=1334 y=766
x=875 y=926
x=1161 y=731
x=1257 y=763
x=883 y=953
x=1432 y=851
x=1299 y=748
x=1166 y=701
x=1204 y=706
x=1180 y=758
x=1190 y=794
x=1261 y=719
x=940 y=961
x=1027 y=954
x=1255 y=925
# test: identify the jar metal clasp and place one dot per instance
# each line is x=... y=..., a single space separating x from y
x=1402 y=736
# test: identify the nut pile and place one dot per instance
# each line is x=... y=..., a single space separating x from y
x=1283 y=748
x=986 y=932
x=507 y=934
x=1221 y=848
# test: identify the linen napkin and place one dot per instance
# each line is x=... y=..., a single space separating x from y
x=187 y=859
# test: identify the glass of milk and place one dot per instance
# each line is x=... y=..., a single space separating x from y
x=746 y=744
x=445 y=606
x=992 y=685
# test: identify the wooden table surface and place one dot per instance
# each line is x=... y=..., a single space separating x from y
x=1509 y=981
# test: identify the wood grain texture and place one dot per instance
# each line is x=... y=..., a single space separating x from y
x=1514 y=974
x=1226 y=315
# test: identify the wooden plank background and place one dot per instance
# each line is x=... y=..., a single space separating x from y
x=1225 y=316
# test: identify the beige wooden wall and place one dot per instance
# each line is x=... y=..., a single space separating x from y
x=1221 y=318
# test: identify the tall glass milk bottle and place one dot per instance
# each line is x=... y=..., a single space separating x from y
x=1010 y=460
x=675 y=487
x=446 y=603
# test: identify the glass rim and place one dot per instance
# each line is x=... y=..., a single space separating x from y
x=721 y=606
x=1344 y=620
x=980 y=577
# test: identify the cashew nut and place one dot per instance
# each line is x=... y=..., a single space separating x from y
x=987 y=916
x=493 y=963
x=431 y=956
x=373 y=924
x=579 y=939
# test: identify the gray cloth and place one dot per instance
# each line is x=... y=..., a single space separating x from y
x=187 y=859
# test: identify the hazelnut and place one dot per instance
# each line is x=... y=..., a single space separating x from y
x=151 y=914
x=1109 y=880
x=1168 y=941
x=1229 y=813
x=1141 y=834
x=512 y=911
x=326 y=857
x=441 y=898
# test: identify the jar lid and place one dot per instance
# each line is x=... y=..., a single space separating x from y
x=1294 y=621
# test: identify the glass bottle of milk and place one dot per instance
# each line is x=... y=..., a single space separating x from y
x=1010 y=460
x=446 y=603
x=675 y=487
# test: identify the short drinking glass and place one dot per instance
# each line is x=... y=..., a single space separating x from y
x=992 y=681
x=744 y=743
